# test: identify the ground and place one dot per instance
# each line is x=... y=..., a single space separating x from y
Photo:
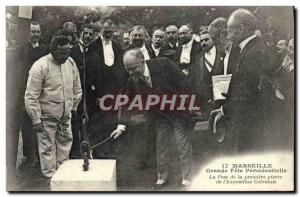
x=134 y=178
x=142 y=179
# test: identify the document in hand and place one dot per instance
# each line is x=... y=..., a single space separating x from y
x=220 y=85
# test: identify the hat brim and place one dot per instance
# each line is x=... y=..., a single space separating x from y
x=219 y=129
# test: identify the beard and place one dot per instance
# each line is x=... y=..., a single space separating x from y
x=35 y=39
x=184 y=40
x=206 y=48
x=137 y=42
x=157 y=45
x=134 y=78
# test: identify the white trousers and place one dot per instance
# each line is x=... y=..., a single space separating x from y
x=54 y=144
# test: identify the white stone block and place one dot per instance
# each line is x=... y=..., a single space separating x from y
x=70 y=176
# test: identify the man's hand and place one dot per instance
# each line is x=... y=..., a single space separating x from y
x=218 y=111
x=116 y=133
x=218 y=114
x=38 y=127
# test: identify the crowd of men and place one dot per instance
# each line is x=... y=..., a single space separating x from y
x=173 y=60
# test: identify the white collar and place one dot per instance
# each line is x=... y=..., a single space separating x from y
x=143 y=48
x=146 y=71
x=155 y=50
x=212 y=51
x=35 y=45
x=105 y=42
x=171 y=45
x=245 y=42
x=189 y=44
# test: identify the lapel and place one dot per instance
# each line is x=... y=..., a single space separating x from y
x=198 y=62
x=195 y=49
x=244 y=52
x=178 y=53
x=114 y=47
x=219 y=63
x=153 y=75
x=100 y=47
x=151 y=53
x=240 y=57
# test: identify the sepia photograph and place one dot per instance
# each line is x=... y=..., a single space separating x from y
x=150 y=98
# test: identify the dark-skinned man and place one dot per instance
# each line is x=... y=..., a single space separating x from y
x=53 y=93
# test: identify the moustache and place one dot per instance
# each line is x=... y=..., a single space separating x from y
x=107 y=35
x=137 y=42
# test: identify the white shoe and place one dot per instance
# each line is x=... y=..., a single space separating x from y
x=185 y=182
x=160 y=182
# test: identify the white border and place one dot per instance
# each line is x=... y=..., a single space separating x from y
x=4 y=3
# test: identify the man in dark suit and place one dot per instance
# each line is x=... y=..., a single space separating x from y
x=188 y=48
x=172 y=37
x=159 y=76
x=207 y=64
x=138 y=39
x=110 y=76
x=243 y=105
x=29 y=53
x=79 y=51
x=219 y=34
x=158 y=45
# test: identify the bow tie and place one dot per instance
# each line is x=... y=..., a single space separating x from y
x=35 y=45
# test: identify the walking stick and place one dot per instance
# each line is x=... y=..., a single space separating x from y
x=84 y=145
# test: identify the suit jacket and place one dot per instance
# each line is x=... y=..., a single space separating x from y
x=244 y=103
x=109 y=79
x=92 y=61
x=149 y=49
x=168 y=46
x=28 y=55
x=167 y=79
x=196 y=50
x=165 y=52
x=201 y=78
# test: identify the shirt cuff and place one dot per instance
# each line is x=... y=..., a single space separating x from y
x=36 y=121
x=121 y=127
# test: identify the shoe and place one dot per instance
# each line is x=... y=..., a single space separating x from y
x=185 y=184
x=159 y=184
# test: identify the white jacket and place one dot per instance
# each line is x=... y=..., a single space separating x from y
x=52 y=90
